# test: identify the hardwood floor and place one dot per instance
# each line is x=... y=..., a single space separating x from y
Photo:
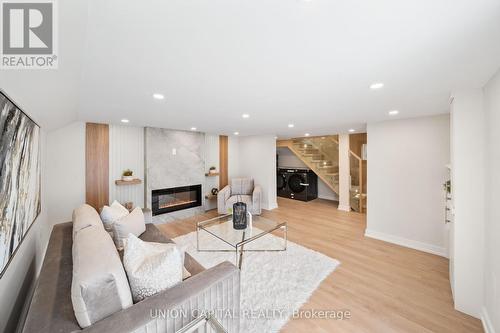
x=386 y=288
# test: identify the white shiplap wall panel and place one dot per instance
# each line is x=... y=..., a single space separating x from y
x=211 y=159
x=233 y=158
x=126 y=151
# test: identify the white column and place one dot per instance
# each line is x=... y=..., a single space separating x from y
x=468 y=192
x=344 y=174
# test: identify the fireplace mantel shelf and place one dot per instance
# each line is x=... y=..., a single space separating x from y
x=128 y=182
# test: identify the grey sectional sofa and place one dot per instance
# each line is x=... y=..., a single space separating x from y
x=51 y=309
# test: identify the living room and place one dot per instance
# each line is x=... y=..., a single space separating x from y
x=249 y=167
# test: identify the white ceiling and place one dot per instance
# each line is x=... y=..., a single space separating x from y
x=304 y=62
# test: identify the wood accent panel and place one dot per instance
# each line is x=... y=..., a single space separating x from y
x=284 y=143
x=223 y=160
x=356 y=141
x=97 y=165
x=386 y=287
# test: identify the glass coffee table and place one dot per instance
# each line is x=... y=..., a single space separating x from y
x=218 y=235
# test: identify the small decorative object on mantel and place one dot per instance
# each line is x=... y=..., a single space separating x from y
x=239 y=215
x=447 y=186
x=127 y=175
x=214 y=191
x=129 y=205
x=212 y=170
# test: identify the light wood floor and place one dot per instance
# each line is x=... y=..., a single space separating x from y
x=387 y=288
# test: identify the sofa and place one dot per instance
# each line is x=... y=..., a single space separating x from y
x=51 y=309
x=240 y=189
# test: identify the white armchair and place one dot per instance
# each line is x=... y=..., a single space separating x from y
x=240 y=189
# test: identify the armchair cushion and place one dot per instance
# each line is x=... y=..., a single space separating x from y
x=242 y=198
x=242 y=186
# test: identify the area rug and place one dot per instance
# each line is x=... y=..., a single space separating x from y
x=274 y=285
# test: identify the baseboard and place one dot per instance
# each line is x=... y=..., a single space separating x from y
x=412 y=244
x=485 y=319
x=344 y=208
x=271 y=206
x=328 y=197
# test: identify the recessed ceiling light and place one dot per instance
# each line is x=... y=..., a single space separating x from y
x=307 y=134
x=393 y=112
x=236 y=133
x=193 y=128
x=125 y=121
x=352 y=130
x=245 y=115
x=158 y=96
x=291 y=125
x=376 y=85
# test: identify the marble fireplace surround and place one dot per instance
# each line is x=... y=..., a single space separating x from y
x=173 y=158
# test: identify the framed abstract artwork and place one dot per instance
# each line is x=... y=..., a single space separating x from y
x=20 y=177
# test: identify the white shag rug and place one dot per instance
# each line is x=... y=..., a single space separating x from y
x=273 y=284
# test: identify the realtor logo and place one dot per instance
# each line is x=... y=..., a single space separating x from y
x=28 y=35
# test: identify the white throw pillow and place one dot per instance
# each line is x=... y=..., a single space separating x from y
x=111 y=214
x=151 y=267
x=83 y=217
x=132 y=223
x=99 y=285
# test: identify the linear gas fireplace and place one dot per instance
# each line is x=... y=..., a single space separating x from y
x=171 y=199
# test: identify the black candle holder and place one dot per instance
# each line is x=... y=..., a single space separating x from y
x=239 y=215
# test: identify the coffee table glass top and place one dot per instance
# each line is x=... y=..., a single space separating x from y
x=222 y=228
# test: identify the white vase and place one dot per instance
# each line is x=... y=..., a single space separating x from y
x=249 y=223
x=127 y=178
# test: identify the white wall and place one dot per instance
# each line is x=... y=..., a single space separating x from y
x=126 y=151
x=257 y=159
x=491 y=310
x=65 y=171
x=233 y=163
x=405 y=177
x=16 y=285
x=287 y=159
x=467 y=166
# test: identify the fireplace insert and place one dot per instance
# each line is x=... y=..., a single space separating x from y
x=176 y=198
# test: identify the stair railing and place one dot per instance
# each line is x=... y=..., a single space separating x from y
x=327 y=145
x=357 y=195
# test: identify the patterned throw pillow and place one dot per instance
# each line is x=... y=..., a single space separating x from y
x=151 y=267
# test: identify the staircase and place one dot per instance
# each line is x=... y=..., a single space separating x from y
x=321 y=154
x=358 y=183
